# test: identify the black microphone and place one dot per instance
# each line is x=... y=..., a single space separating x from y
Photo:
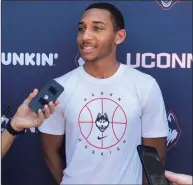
x=5 y=113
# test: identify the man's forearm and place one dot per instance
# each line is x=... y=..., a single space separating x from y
x=7 y=140
x=145 y=182
x=161 y=146
x=55 y=164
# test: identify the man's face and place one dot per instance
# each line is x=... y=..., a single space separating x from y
x=96 y=35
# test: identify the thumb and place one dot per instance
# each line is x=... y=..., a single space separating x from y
x=178 y=178
x=31 y=96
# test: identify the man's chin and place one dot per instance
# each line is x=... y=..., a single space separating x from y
x=90 y=59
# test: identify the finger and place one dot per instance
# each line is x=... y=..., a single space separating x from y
x=170 y=176
x=47 y=111
x=52 y=107
x=31 y=96
x=178 y=178
x=57 y=102
x=41 y=117
x=184 y=179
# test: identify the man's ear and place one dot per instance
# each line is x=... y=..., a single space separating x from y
x=120 y=36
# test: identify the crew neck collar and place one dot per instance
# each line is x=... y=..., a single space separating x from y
x=118 y=73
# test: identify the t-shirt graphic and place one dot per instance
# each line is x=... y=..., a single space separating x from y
x=102 y=122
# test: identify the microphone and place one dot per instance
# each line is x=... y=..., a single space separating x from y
x=5 y=113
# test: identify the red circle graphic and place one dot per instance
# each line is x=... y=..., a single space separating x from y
x=113 y=124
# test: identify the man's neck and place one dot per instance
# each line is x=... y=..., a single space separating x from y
x=102 y=69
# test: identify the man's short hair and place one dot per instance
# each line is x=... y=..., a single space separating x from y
x=116 y=15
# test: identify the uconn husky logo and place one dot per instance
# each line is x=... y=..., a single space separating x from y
x=102 y=122
x=167 y=4
x=174 y=130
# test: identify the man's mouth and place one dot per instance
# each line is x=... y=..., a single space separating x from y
x=87 y=49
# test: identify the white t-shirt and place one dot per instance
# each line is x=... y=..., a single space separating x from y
x=104 y=120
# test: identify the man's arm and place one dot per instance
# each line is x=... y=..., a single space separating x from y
x=154 y=122
x=52 y=156
x=161 y=145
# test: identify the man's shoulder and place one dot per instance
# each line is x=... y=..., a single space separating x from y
x=141 y=82
x=138 y=76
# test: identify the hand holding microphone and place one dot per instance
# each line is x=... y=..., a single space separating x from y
x=25 y=117
x=37 y=107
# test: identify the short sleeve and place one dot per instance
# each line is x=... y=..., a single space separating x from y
x=55 y=124
x=154 y=119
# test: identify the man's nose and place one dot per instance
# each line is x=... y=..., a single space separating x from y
x=87 y=35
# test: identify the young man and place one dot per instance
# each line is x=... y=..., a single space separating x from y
x=107 y=109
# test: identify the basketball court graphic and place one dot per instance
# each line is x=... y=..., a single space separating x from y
x=102 y=123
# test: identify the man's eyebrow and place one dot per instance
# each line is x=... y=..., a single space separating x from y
x=98 y=22
x=95 y=22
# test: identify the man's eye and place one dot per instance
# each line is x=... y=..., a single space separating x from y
x=96 y=28
x=80 y=29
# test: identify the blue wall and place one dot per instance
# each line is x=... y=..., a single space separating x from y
x=39 y=43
